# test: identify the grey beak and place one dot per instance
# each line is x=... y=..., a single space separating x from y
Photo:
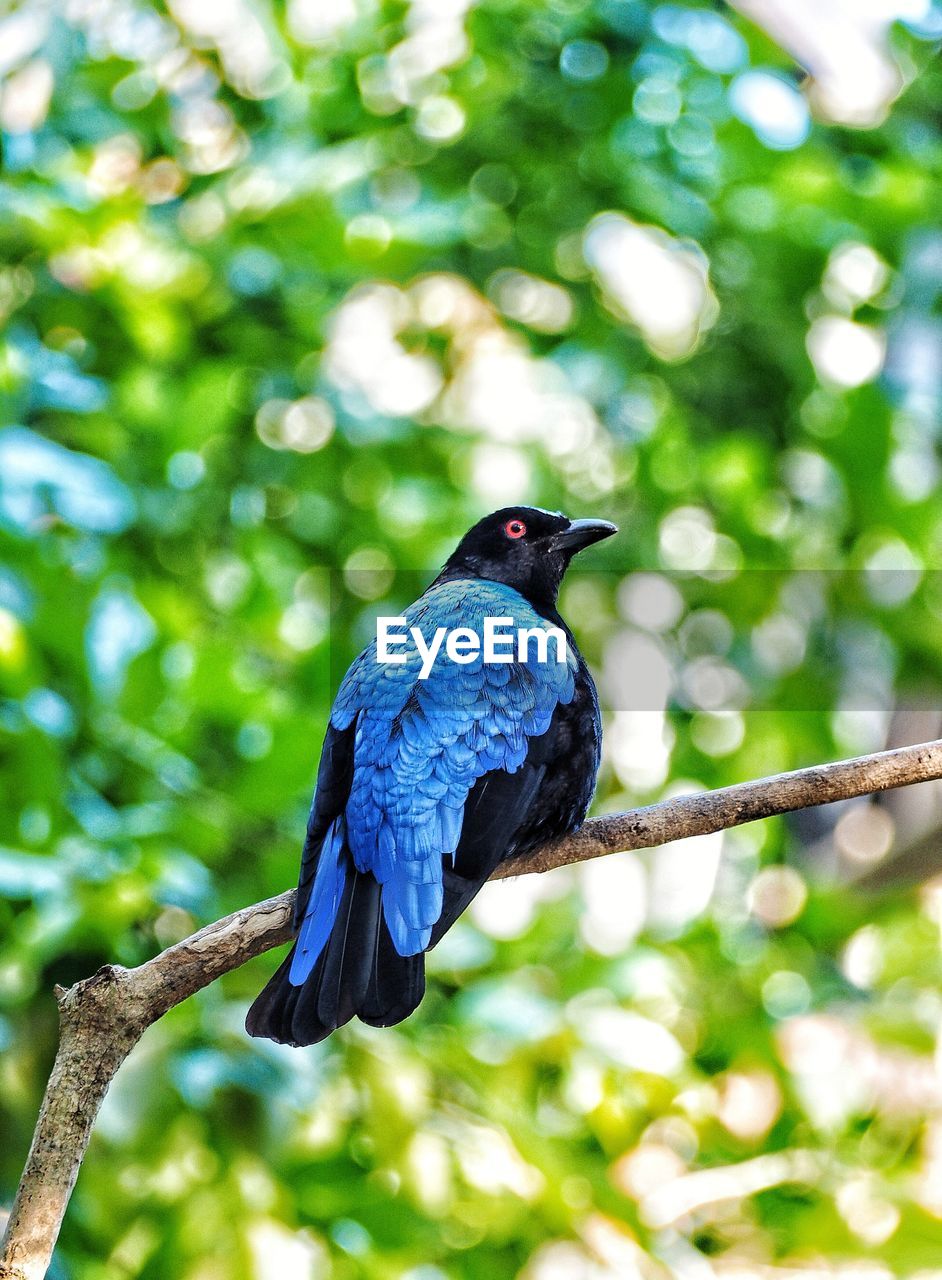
x=582 y=534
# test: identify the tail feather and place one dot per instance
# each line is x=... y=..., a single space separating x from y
x=359 y=972
x=272 y=1012
x=396 y=983
x=348 y=954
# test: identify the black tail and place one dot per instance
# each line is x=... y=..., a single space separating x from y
x=359 y=972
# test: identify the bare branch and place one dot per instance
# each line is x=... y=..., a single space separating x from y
x=100 y=1021
x=102 y=1018
x=707 y=811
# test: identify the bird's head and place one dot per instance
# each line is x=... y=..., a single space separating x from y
x=526 y=548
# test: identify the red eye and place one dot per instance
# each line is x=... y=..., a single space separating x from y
x=515 y=528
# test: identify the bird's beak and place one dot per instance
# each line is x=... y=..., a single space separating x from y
x=582 y=533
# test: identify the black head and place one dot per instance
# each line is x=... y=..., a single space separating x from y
x=526 y=548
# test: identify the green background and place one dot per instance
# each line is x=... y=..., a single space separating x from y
x=285 y=308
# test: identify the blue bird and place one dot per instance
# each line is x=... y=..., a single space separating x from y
x=432 y=774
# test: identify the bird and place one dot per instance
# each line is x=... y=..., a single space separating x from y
x=426 y=785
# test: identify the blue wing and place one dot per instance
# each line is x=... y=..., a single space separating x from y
x=419 y=746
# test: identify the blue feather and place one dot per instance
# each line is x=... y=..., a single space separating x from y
x=420 y=746
x=326 y=893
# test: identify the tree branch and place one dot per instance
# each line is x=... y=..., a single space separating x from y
x=103 y=1017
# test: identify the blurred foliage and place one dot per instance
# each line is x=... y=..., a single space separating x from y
x=290 y=298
